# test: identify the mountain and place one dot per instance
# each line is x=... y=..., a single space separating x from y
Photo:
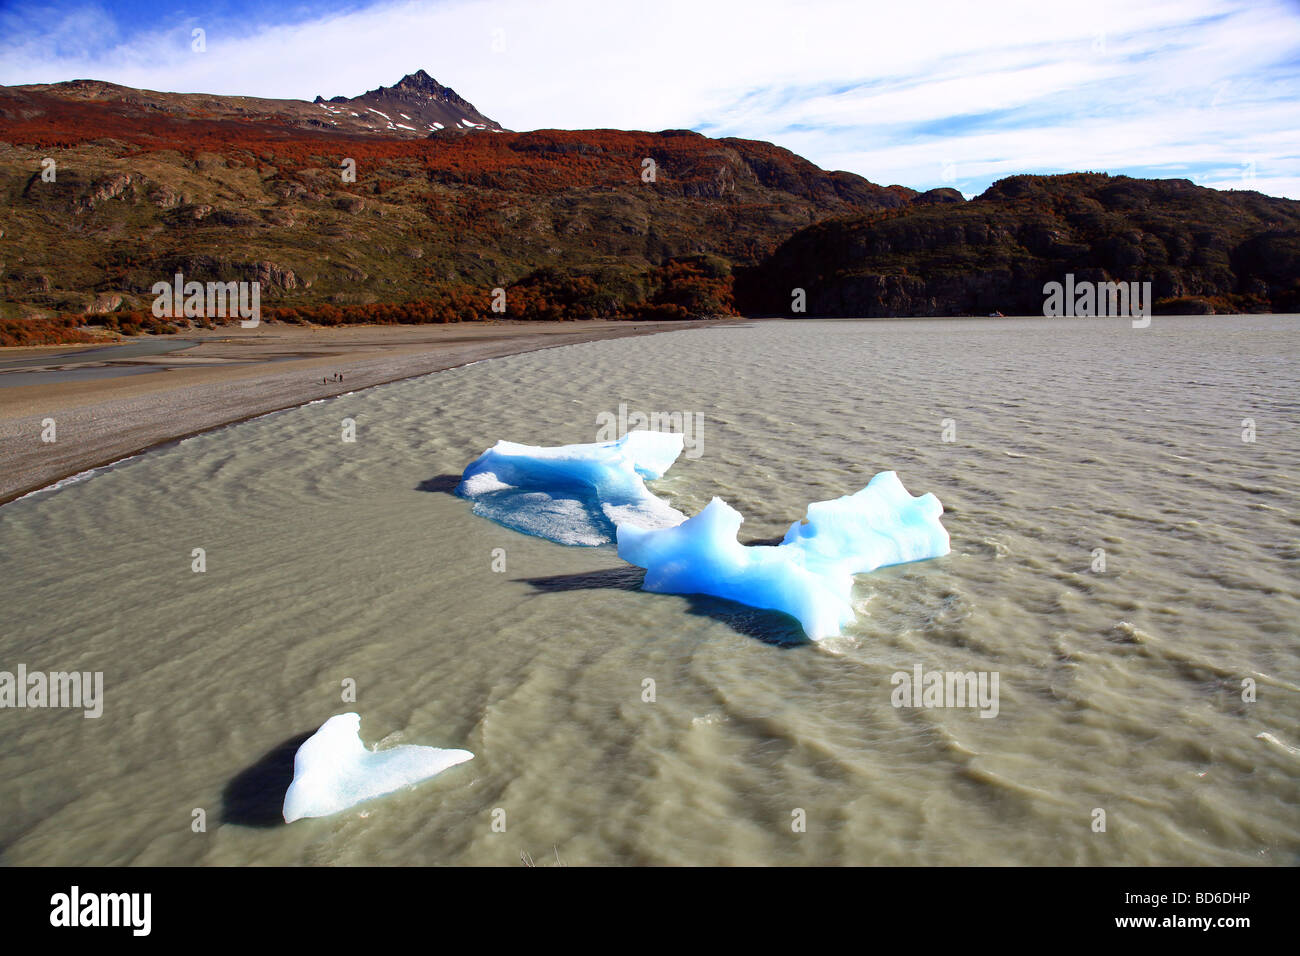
x=1202 y=249
x=417 y=104
x=225 y=188
x=572 y=224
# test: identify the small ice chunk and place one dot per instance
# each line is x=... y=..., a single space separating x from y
x=574 y=494
x=333 y=770
x=810 y=574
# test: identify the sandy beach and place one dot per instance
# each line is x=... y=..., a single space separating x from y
x=230 y=375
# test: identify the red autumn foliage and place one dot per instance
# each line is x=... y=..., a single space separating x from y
x=53 y=331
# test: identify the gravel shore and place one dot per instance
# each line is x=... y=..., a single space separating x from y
x=235 y=374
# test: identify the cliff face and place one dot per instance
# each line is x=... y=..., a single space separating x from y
x=1202 y=250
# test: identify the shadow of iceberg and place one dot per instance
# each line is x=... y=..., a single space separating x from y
x=620 y=579
x=255 y=796
x=770 y=627
x=443 y=483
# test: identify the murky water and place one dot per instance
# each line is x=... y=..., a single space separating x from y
x=1119 y=689
x=86 y=365
x=107 y=353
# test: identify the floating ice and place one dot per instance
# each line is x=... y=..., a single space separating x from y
x=591 y=494
x=702 y=556
x=880 y=525
x=333 y=770
x=810 y=574
x=574 y=494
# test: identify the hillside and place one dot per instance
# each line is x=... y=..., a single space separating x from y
x=446 y=206
x=1202 y=249
x=233 y=188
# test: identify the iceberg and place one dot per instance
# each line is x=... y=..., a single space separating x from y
x=574 y=494
x=595 y=494
x=333 y=770
x=809 y=575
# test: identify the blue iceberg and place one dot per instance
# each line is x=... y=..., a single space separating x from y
x=333 y=770
x=595 y=494
x=810 y=574
x=574 y=494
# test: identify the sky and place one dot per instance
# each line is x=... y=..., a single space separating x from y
x=924 y=93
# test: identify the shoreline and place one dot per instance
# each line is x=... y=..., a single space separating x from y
x=232 y=376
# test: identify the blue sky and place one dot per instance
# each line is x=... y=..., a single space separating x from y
x=924 y=93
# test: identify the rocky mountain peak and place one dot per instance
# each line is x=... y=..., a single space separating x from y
x=420 y=82
x=417 y=103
